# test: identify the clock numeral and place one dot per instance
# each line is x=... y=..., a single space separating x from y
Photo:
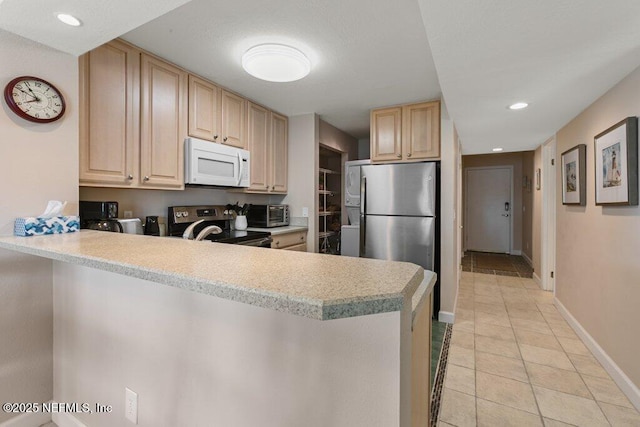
x=48 y=115
x=54 y=96
x=38 y=84
x=48 y=89
x=57 y=105
x=18 y=87
x=15 y=94
x=37 y=115
x=55 y=112
x=19 y=103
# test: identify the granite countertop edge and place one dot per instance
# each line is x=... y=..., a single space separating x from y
x=300 y=306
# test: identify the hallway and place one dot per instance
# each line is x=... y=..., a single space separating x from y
x=514 y=361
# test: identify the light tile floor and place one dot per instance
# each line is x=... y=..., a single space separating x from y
x=514 y=361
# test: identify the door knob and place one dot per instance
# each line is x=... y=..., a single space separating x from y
x=505 y=215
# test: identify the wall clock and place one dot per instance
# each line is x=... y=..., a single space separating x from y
x=34 y=99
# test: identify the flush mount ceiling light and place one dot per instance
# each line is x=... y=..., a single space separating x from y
x=276 y=63
x=497 y=149
x=518 y=106
x=69 y=19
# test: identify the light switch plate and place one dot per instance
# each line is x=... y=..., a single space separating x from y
x=131 y=405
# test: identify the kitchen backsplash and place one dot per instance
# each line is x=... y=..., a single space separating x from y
x=155 y=202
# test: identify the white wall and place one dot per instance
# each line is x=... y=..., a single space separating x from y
x=304 y=134
x=39 y=162
x=364 y=148
x=196 y=360
x=449 y=251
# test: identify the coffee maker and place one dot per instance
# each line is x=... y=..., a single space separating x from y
x=99 y=216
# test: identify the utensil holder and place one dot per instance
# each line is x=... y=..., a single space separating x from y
x=241 y=222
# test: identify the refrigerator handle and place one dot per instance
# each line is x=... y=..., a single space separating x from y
x=363 y=215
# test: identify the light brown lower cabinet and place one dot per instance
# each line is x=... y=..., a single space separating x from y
x=294 y=241
x=421 y=366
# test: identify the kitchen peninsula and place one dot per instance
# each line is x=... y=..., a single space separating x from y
x=290 y=338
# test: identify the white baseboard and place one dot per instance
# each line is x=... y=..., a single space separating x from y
x=537 y=279
x=63 y=419
x=515 y=252
x=28 y=420
x=624 y=382
x=526 y=258
x=446 y=317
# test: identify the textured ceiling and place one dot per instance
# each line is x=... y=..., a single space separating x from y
x=102 y=20
x=364 y=54
x=559 y=56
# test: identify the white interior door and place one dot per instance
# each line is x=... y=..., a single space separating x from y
x=488 y=206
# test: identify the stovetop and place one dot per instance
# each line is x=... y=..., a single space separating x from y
x=237 y=236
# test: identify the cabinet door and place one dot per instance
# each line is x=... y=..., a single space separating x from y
x=233 y=116
x=421 y=130
x=109 y=115
x=204 y=109
x=386 y=134
x=162 y=124
x=279 y=146
x=258 y=140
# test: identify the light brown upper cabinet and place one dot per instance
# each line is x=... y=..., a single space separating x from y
x=233 y=119
x=406 y=133
x=110 y=116
x=204 y=109
x=267 y=140
x=133 y=119
x=163 y=123
x=258 y=136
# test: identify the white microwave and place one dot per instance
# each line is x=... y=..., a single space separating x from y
x=210 y=163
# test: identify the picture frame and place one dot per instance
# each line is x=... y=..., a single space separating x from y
x=574 y=176
x=538 y=178
x=616 y=164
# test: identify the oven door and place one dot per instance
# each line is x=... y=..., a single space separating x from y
x=263 y=242
x=277 y=215
x=209 y=163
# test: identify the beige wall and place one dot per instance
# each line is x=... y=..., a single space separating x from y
x=304 y=135
x=449 y=252
x=536 y=222
x=332 y=137
x=503 y=159
x=38 y=163
x=195 y=360
x=597 y=268
x=528 y=172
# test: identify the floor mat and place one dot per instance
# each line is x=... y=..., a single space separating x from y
x=494 y=262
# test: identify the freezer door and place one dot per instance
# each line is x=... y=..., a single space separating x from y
x=399 y=189
x=398 y=238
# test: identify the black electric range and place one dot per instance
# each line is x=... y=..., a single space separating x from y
x=179 y=218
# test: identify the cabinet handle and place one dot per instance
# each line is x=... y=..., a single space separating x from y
x=301 y=237
x=278 y=243
x=409 y=155
x=130 y=177
x=225 y=139
x=399 y=156
x=273 y=188
x=215 y=137
x=146 y=178
x=266 y=186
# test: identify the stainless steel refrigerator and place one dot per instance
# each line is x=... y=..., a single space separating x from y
x=398 y=205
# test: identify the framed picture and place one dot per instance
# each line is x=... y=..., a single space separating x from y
x=538 y=178
x=616 y=160
x=574 y=176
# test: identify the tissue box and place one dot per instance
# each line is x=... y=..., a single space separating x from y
x=32 y=226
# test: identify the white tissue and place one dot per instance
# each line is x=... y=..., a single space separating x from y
x=54 y=208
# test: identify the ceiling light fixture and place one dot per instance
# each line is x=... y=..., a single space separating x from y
x=497 y=149
x=69 y=19
x=276 y=63
x=518 y=106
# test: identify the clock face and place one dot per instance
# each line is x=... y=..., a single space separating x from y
x=34 y=99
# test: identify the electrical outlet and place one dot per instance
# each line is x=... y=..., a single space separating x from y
x=128 y=214
x=131 y=405
x=305 y=212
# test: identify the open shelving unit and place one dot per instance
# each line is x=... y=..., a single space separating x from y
x=329 y=201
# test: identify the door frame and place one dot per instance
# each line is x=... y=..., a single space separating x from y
x=466 y=202
x=548 y=238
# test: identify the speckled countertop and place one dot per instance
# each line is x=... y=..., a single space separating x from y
x=305 y=284
x=280 y=230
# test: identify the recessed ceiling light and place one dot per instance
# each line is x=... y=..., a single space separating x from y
x=497 y=149
x=518 y=106
x=276 y=63
x=69 y=19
